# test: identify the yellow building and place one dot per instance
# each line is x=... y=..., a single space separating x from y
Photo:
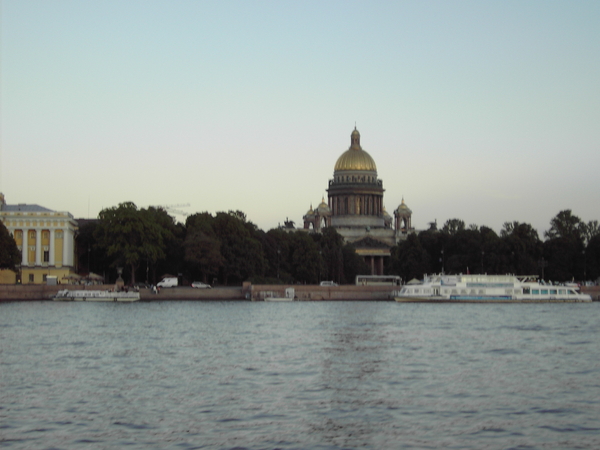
x=45 y=238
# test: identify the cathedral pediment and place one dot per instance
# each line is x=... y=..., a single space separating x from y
x=369 y=242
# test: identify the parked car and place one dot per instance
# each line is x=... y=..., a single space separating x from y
x=328 y=283
x=167 y=282
x=200 y=285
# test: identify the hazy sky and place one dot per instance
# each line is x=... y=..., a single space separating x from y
x=478 y=110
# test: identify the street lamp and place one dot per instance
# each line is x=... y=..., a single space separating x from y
x=442 y=260
x=543 y=264
x=278 y=253
x=482 y=253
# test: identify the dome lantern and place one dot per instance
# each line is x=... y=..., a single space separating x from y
x=355 y=158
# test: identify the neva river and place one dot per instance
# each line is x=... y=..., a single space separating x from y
x=319 y=375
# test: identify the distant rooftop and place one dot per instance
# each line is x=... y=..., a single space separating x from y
x=25 y=208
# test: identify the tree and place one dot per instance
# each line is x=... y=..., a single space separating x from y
x=10 y=256
x=241 y=249
x=204 y=252
x=307 y=264
x=354 y=264
x=330 y=244
x=453 y=226
x=523 y=247
x=129 y=235
x=564 y=247
x=590 y=230
x=409 y=259
x=565 y=225
x=592 y=259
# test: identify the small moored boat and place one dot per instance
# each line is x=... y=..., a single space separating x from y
x=96 y=296
x=488 y=288
x=290 y=293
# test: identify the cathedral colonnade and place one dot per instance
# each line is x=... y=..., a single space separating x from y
x=367 y=205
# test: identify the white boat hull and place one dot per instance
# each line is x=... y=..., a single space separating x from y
x=488 y=289
x=96 y=296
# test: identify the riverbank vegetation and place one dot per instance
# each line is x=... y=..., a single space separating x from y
x=226 y=248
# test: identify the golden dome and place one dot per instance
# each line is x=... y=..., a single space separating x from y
x=323 y=208
x=355 y=158
x=403 y=208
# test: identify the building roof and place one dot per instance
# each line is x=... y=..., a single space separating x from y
x=25 y=208
x=355 y=158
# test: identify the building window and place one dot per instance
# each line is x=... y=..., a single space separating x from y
x=46 y=256
x=31 y=278
x=44 y=278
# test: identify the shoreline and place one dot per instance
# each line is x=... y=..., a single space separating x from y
x=246 y=292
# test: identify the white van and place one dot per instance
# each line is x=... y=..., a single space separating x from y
x=328 y=283
x=167 y=282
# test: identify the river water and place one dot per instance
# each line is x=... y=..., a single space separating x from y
x=303 y=375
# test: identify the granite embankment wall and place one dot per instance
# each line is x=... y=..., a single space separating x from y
x=43 y=292
x=318 y=293
x=245 y=292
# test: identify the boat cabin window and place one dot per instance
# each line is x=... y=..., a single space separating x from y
x=526 y=291
x=544 y=291
x=535 y=291
x=562 y=291
x=552 y=291
x=572 y=292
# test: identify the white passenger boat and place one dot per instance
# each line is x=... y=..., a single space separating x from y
x=487 y=288
x=96 y=296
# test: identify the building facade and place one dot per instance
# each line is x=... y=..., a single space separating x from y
x=355 y=208
x=45 y=238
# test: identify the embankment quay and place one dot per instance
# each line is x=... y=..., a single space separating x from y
x=243 y=293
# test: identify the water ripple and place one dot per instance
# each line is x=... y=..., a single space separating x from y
x=332 y=375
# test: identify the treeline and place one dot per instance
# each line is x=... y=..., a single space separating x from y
x=570 y=251
x=229 y=249
x=224 y=248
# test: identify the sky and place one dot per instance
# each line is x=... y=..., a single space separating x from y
x=485 y=111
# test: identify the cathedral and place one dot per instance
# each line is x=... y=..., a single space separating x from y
x=356 y=210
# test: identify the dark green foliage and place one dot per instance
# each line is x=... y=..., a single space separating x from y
x=331 y=244
x=129 y=236
x=229 y=247
x=354 y=264
x=10 y=256
x=592 y=259
x=226 y=244
x=409 y=260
